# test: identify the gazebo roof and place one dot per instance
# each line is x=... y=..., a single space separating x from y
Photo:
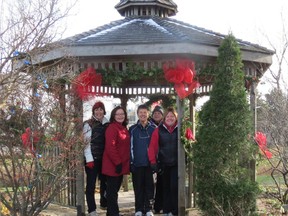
x=153 y=30
x=152 y=35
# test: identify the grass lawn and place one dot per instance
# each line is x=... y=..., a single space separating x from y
x=268 y=204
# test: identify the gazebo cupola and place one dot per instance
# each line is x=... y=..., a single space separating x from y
x=160 y=8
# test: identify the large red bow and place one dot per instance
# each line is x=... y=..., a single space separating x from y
x=85 y=82
x=182 y=75
x=261 y=140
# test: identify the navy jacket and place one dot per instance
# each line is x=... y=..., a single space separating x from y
x=140 y=138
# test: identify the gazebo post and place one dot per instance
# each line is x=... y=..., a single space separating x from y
x=191 y=174
x=181 y=163
x=80 y=193
x=253 y=105
x=124 y=100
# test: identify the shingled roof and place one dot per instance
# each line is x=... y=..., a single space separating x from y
x=151 y=35
x=148 y=29
x=153 y=30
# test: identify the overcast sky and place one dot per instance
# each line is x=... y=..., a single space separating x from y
x=249 y=20
x=246 y=19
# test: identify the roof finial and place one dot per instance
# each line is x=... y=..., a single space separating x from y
x=160 y=8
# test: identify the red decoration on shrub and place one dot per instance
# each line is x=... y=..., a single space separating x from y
x=85 y=81
x=261 y=140
x=268 y=154
x=26 y=139
x=189 y=134
x=182 y=75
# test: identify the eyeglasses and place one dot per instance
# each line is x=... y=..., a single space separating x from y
x=120 y=114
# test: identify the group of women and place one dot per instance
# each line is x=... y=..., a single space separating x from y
x=108 y=158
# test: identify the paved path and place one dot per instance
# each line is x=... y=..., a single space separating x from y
x=126 y=205
x=125 y=199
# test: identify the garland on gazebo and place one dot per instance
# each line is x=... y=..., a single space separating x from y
x=182 y=74
x=133 y=72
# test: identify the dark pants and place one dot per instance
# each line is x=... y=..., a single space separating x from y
x=143 y=185
x=170 y=192
x=113 y=186
x=91 y=176
x=158 y=205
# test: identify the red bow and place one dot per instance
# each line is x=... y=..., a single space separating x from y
x=85 y=81
x=261 y=140
x=189 y=134
x=182 y=75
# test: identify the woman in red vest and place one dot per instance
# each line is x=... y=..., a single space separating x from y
x=163 y=154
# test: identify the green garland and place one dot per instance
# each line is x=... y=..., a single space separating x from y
x=132 y=72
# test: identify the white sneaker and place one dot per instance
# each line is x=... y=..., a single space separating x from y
x=138 y=213
x=94 y=213
x=150 y=213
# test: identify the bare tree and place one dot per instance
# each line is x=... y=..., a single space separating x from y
x=273 y=118
x=279 y=73
x=26 y=30
x=39 y=142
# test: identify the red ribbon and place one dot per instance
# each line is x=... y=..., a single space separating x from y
x=182 y=75
x=84 y=83
x=189 y=134
x=261 y=140
x=26 y=139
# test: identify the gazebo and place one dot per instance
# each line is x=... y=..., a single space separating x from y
x=131 y=52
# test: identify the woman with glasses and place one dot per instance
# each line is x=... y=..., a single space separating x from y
x=116 y=157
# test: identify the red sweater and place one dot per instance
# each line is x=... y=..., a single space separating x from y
x=117 y=149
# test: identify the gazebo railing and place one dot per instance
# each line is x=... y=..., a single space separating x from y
x=145 y=90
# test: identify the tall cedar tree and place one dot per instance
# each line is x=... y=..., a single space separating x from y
x=223 y=149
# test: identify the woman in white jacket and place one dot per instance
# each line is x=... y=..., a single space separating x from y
x=94 y=136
